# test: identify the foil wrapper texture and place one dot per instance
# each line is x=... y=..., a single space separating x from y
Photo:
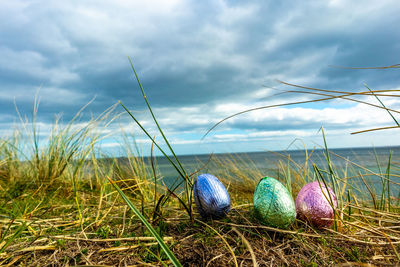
x=273 y=204
x=211 y=197
x=314 y=205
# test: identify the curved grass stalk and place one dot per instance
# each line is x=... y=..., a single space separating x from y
x=154 y=118
x=184 y=177
x=178 y=166
x=343 y=95
x=395 y=66
x=223 y=239
x=383 y=105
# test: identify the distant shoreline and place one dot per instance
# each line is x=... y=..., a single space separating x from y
x=277 y=151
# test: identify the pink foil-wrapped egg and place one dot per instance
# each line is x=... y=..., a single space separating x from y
x=313 y=204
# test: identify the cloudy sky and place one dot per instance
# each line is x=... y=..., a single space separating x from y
x=200 y=61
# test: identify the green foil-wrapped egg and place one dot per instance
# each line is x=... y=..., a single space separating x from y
x=273 y=204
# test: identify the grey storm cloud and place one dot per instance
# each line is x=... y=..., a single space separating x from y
x=187 y=53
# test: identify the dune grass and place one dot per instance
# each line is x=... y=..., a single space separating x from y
x=78 y=218
x=63 y=202
x=82 y=220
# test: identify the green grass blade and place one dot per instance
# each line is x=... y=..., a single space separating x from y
x=19 y=231
x=4 y=234
x=160 y=241
x=182 y=172
x=383 y=181
x=332 y=174
x=369 y=190
x=388 y=179
x=188 y=184
x=156 y=256
x=383 y=105
x=154 y=118
x=349 y=201
x=289 y=178
x=152 y=139
x=320 y=178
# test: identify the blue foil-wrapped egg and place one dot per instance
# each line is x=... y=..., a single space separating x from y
x=211 y=197
x=273 y=204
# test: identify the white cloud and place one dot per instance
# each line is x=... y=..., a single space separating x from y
x=202 y=61
x=186 y=125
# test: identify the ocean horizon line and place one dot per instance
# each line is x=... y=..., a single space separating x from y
x=275 y=151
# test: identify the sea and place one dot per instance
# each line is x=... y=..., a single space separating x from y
x=348 y=163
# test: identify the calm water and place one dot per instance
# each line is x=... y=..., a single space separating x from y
x=267 y=163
